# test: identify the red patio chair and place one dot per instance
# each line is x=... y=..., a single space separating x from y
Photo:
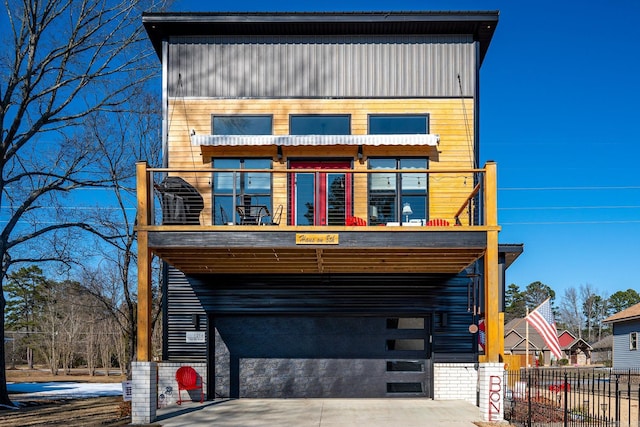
x=438 y=222
x=355 y=220
x=188 y=379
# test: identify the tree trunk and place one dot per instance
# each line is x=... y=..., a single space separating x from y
x=29 y=357
x=4 y=393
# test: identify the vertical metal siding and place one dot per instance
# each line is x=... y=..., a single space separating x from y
x=329 y=66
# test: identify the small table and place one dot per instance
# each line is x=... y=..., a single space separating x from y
x=252 y=214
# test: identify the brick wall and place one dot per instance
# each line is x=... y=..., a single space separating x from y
x=455 y=381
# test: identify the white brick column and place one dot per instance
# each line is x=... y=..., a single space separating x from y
x=491 y=386
x=144 y=388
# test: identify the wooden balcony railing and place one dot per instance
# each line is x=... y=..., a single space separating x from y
x=240 y=197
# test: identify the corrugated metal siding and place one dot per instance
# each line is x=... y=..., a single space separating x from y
x=623 y=358
x=182 y=304
x=329 y=66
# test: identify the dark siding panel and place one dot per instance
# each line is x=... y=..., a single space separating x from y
x=182 y=305
x=442 y=296
x=326 y=296
x=452 y=341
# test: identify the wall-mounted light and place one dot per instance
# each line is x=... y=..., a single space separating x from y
x=360 y=153
x=279 y=155
x=195 y=319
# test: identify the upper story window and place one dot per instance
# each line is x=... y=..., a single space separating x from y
x=398 y=197
x=248 y=188
x=633 y=341
x=390 y=124
x=242 y=125
x=320 y=124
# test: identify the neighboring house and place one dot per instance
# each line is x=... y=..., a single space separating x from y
x=602 y=351
x=333 y=234
x=516 y=343
x=626 y=335
x=576 y=350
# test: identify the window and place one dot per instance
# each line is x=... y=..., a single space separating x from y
x=320 y=124
x=633 y=341
x=405 y=366
x=241 y=125
x=404 y=387
x=398 y=124
x=250 y=188
x=406 y=344
x=405 y=323
x=397 y=197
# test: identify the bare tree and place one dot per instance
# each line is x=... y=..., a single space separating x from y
x=570 y=312
x=121 y=142
x=91 y=344
x=582 y=311
x=60 y=62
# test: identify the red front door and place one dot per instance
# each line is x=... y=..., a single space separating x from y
x=319 y=196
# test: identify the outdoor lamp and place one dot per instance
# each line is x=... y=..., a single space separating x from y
x=406 y=211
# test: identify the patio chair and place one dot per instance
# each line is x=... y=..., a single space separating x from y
x=188 y=379
x=277 y=216
x=438 y=222
x=357 y=221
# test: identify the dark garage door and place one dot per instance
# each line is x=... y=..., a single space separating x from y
x=307 y=356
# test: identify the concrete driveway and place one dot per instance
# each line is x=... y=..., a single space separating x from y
x=321 y=413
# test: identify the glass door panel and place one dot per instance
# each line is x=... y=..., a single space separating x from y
x=336 y=201
x=319 y=197
x=304 y=198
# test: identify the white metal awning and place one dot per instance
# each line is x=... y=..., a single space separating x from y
x=313 y=140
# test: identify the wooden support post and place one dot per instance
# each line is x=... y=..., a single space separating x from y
x=143 y=350
x=493 y=347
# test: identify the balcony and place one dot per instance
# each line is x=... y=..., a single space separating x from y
x=436 y=222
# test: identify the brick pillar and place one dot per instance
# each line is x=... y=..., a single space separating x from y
x=144 y=390
x=491 y=386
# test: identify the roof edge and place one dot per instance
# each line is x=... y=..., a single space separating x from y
x=162 y=25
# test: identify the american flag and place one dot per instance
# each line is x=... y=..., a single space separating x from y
x=542 y=320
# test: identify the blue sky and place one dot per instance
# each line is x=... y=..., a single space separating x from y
x=559 y=107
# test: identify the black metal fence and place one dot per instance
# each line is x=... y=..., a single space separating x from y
x=572 y=397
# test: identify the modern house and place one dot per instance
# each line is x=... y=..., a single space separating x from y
x=326 y=226
x=626 y=332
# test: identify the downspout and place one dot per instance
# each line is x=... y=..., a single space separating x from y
x=476 y=108
x=165 y=103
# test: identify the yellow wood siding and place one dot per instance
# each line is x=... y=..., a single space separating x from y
x=451 y=118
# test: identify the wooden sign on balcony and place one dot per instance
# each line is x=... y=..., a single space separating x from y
x=317 y=239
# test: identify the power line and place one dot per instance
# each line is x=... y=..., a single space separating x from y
x=542 y=208
x=566 y=188
x=113 y=208
x=571 y=222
